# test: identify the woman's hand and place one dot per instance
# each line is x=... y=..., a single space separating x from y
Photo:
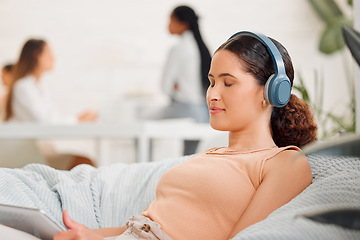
x=88 y=116
x=176 y=86
x=76 y=231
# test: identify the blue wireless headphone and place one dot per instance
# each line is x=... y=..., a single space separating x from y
x=278 y=87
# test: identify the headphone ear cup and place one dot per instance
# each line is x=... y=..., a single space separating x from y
x=283 y=91
x=267 y=93
x=277 y=90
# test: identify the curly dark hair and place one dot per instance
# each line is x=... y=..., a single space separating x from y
x=292 y=124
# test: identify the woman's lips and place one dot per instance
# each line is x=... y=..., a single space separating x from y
x=215 y=110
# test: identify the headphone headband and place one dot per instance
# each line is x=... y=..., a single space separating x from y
x=278 y=87
x=272 y=49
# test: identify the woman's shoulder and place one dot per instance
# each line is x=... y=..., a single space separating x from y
x=290 y=154
x=289 y=161
x=287 y=153
x=186 y=45
x=25 y=83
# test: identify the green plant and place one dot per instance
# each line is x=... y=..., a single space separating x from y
x=331 y=39
x=331 y=123
x=346 y=122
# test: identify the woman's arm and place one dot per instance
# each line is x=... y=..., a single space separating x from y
x=171 y=72
x=284 y=177
x=109 y=232
x=78 y=231
x=33 y=105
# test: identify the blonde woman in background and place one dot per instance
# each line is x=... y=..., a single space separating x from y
x=28 y=100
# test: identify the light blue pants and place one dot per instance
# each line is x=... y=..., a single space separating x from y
x=141 y=227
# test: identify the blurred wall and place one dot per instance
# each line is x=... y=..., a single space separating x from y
x=107 y=51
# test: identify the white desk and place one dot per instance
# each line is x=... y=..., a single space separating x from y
x=142 y=132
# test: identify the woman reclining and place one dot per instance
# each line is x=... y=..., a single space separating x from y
x=218 y=193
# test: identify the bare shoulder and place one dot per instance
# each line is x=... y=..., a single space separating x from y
x=289 y=164
x=289 y=159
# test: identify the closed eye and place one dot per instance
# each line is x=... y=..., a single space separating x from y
x=212 y=83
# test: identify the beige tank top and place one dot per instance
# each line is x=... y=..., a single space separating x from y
x=204 y=197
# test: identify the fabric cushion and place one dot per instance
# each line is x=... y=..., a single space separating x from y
x=335 y=184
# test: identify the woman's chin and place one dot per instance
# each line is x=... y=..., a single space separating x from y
x=218 y=127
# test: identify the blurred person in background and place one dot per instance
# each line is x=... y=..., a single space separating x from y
x=6 y=77
x=28 y=101
x=185 y=77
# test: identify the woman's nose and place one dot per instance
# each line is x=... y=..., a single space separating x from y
x=213 y=94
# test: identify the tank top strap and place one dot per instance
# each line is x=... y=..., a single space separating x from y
x=275 y=152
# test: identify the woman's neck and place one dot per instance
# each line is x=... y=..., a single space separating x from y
x=184 y=31
x=250 y=139
x=37 y=75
